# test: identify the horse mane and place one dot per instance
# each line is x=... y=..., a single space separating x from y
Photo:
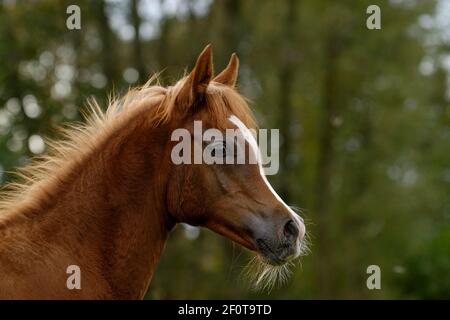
x=39 y=180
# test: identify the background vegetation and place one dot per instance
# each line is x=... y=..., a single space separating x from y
x=364 y=116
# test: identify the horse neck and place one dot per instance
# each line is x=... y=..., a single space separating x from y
x=113 y=209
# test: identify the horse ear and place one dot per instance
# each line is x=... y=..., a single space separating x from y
x=197 y=81
x=229 y=75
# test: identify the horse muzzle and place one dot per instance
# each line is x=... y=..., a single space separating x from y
x=284 y=245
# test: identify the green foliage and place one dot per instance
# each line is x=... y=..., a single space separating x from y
x=426 y=273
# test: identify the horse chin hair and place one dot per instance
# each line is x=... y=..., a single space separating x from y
x=264 y=276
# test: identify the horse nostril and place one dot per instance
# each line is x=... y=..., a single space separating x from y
x=291 y=231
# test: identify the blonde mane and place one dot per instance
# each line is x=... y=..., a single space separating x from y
x=39 y=180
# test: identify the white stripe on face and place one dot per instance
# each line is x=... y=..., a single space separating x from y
x=248 y=136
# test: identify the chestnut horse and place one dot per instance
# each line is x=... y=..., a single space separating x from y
x=107 y=196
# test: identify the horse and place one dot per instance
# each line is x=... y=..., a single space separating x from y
x=105 y=197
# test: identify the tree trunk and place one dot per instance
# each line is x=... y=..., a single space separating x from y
x=231 y=31
x=137 y=46
x=108 y=59
x=325 y=163
x=289 y=61
x=162 y=49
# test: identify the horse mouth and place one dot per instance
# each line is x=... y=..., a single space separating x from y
x=275 y=257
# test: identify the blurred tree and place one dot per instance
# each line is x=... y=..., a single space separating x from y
x=289 y=60
x=108 y=54
x=137 y=47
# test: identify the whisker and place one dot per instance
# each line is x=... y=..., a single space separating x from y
x=264 y=276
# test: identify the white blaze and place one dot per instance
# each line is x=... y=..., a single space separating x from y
x=255 y=149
